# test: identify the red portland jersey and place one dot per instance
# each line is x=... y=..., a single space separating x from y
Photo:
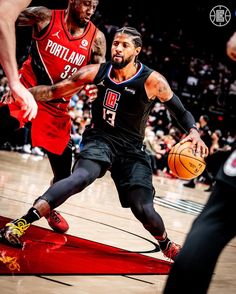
x=55 y=55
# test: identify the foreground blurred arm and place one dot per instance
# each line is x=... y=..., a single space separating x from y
x=9 y=11
x=231 y=47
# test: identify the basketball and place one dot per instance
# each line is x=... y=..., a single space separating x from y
x=184 y=163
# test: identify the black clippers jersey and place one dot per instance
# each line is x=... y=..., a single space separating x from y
x=122 y=108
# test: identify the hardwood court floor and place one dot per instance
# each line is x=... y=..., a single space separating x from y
x=96 y=215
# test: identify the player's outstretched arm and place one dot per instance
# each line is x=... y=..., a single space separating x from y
x=38 y=16
x=67 y=87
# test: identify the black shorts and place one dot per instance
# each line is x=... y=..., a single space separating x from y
x=128 y=163
x=227 y=172
x=128 y=173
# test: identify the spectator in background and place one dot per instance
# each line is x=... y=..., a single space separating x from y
x=159 y=118
x=231 y=99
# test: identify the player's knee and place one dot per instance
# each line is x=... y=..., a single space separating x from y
x=79 y=181
x=142 y=210
x=59 y=177
x=149 y=210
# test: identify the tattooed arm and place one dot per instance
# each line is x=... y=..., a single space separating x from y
x=99 y=48
x=67 y=87
x=157 y=87
x=39 y=17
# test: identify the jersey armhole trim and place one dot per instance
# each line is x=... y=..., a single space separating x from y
x=48 y=29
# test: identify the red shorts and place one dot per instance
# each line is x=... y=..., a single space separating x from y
x=52 y=126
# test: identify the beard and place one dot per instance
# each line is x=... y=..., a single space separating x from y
x=121 y=64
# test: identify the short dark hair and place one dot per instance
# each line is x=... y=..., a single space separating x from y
x=136 y=36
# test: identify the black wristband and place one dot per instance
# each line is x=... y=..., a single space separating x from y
x=180 y=113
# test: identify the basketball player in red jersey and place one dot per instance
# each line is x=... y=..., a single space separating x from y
x=63 y=41
x=127 y=91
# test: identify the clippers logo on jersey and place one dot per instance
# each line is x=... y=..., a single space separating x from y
x=110 y=100
x=110 y=106
x=230 y=165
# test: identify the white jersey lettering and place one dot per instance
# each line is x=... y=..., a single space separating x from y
x=64 y=53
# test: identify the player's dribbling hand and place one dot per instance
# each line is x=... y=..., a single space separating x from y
x=25 y=99
x=196 y=143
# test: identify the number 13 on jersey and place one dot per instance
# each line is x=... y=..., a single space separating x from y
x=110 y=104
x=109 y=116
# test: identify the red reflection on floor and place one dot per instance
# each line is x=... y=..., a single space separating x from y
x=46 y=252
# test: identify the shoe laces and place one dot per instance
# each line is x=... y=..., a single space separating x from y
x=54 y=215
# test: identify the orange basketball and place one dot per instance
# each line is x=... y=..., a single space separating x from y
x=184 y=163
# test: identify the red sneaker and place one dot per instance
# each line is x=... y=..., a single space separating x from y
x=172 y=250
x=57 y=222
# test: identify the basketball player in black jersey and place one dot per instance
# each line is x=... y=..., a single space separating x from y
x=127 y=91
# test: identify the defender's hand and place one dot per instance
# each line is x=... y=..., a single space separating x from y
x=91 y=92
x=25 y=99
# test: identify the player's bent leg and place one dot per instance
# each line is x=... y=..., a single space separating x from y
x=141 y=203
x=61 y=167
x=85 y=172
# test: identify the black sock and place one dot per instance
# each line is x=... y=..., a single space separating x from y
x=164 y=243
x=31 y=216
